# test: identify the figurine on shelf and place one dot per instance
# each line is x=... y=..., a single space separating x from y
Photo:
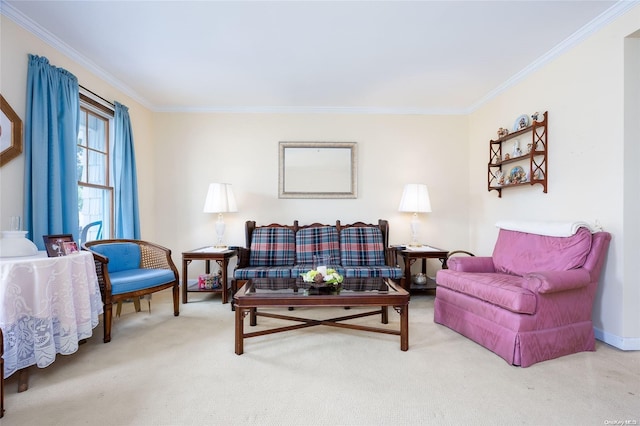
x=517 y=152
x=529 y=148
x=536 y=115
x=507 y=156
x=500 y=177
x=502 y=132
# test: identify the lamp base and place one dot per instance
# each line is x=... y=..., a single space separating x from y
x=220 y=246
x=414 y=244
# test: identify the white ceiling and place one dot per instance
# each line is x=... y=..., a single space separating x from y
x=287 y=56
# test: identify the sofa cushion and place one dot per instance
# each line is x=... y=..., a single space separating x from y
x=498 y=289
x=520 y=253
x=122 y=256
x=361 y=246
x=137 y=279
x=271 y=246
x=380 y=271
x=317 y=241
x=262 y=272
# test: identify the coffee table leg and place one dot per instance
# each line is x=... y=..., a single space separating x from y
x=239 y=330
x=404 y=328
x=253 y=317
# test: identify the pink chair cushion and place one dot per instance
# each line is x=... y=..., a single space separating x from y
x=519 y=253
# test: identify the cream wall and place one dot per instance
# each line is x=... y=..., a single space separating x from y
x=592 y=163
x=242 y=149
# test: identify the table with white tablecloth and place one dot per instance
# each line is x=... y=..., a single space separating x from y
x=47 y=306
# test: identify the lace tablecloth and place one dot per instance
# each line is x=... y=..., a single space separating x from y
x=47 y=305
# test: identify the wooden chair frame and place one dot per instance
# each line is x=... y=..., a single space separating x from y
x=153 y=256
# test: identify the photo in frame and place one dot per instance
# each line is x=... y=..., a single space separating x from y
x=10 y=133
x=59 y=245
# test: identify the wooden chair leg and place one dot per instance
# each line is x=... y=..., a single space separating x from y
x=136 y=303
x=176 y=300
x=23 y=379
x=107 y=318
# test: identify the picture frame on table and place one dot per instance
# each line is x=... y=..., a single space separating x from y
x=59 y=245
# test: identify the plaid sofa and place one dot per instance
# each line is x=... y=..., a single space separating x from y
x=357 y=250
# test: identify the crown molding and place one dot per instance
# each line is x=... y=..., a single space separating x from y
x=609 y=15
x=316 y=110
x=615 y=11
x=28 y=24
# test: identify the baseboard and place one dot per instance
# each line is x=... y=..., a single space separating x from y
x=623 y=343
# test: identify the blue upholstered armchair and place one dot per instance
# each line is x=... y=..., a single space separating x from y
x=129 y=269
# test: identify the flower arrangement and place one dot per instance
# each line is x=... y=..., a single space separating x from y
x=322 y=276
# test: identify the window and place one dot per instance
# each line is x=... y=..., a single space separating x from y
x=95 y=190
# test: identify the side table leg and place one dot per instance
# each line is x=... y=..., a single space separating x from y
x=185 y=264
x=239 y=331
x=404 y=328
x=225 y=288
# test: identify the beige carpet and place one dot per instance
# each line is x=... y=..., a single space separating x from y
x=163 y=370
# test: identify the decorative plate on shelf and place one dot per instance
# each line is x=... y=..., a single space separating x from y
x=521 y=122
x=517 y=175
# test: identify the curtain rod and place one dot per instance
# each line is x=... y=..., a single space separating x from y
x=96 y=95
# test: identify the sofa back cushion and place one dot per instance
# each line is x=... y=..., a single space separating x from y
x=122 y=256
x=317 y=241
x=361 y=246
x=519 y=253
x=272 y=246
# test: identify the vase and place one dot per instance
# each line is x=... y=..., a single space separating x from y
x=15 y=243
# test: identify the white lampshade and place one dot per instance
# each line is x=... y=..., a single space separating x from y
x=220 y=200
x=415 y=199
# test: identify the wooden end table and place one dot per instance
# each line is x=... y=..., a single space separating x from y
x=410 y=255
x=221 y=257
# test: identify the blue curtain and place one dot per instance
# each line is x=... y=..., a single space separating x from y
x=51 y=137
x=125 y=180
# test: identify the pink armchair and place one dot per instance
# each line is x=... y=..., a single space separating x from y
x=531 y=300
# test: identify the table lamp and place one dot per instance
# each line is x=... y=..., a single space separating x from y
x=415 y=199
x=220 y=200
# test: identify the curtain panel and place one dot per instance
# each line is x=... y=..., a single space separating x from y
x=51 y=135
x=125 y=177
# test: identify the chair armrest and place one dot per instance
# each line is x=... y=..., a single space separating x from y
x=471 y=264
x=102 y=272
x=242 y=254
x=556 y=281
x=391 y=256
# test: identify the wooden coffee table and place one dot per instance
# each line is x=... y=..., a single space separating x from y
x=294 y=293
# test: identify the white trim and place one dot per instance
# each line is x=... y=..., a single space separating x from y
x=600 y=21
x=19 y=18
x=615 y=11
x=623 y=343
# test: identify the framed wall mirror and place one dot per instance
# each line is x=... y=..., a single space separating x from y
x=10 y=133
x=318 y=170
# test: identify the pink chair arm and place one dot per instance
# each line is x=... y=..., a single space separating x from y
x=556 y=281
x=471 y=264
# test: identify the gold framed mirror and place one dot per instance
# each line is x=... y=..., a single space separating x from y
x=318 y=170
x=10 y=133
